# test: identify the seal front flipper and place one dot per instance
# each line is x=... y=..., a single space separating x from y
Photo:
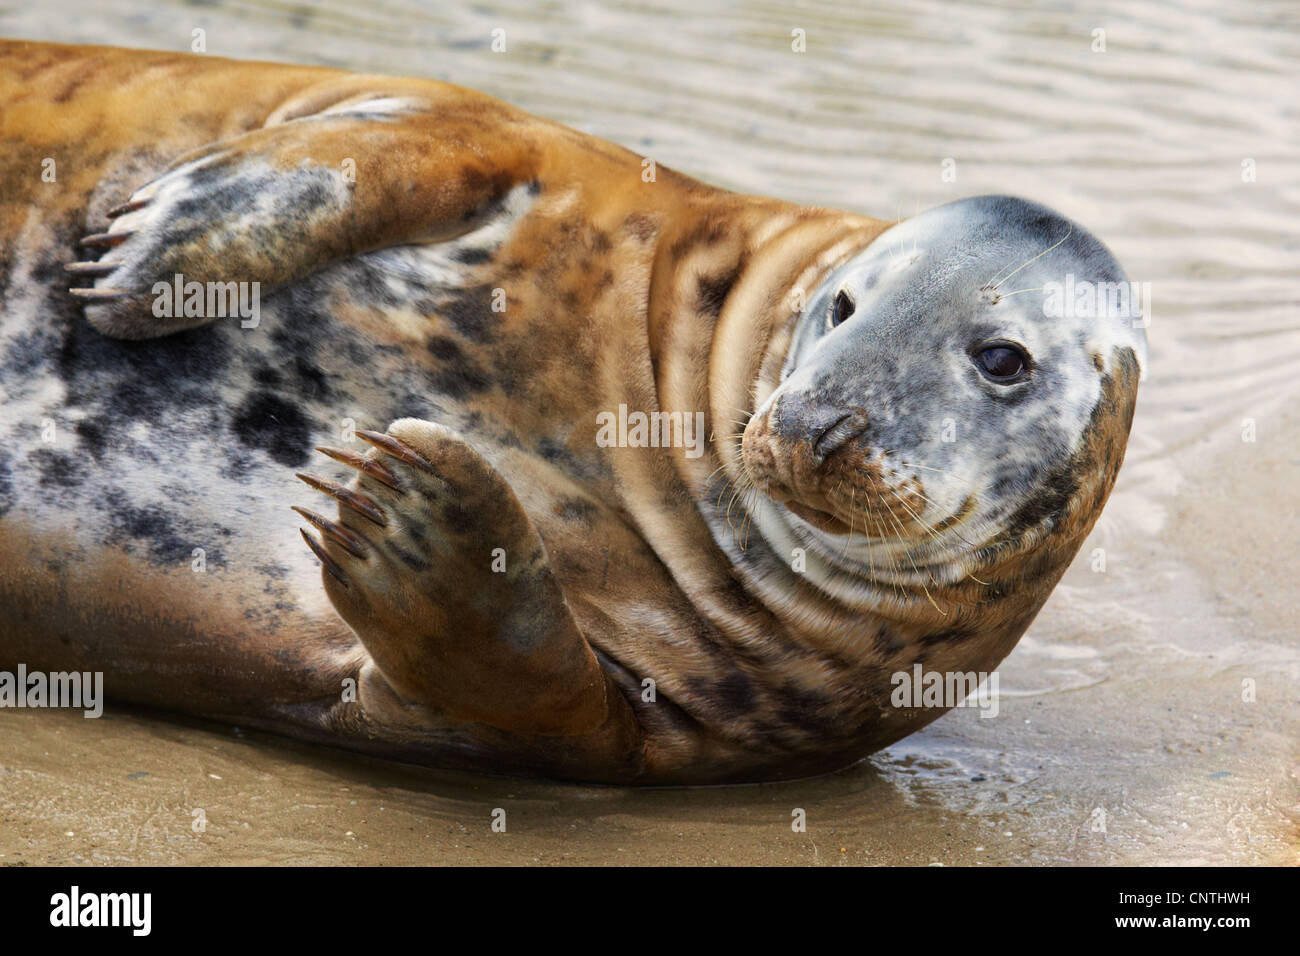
x=335 y=173
x=442 y=575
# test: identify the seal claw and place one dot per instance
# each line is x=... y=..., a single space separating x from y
x=362 y=464
x=89 y=268
x=106 y=240
x=361 y=504
x=131 y=205
x=326 y=561
x=349 y=541
x=391 y=446
x=100 y=295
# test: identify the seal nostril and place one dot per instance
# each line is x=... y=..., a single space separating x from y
x=839 y=433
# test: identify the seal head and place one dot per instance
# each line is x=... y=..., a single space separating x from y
x=938 y=393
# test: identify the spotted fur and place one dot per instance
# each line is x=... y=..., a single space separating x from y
x=648 y=626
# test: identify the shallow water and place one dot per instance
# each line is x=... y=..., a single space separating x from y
x=1122 y=733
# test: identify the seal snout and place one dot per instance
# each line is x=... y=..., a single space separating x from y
x=815 y=459
x=815 y=429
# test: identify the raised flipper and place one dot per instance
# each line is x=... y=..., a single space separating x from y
x=337 y=172
x=413 y=566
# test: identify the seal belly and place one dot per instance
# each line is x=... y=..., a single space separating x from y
x=145 y=485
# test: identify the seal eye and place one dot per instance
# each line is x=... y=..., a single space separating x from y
x=1002 y=363
x=841 y=308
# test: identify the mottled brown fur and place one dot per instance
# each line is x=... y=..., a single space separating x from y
x=669 y=295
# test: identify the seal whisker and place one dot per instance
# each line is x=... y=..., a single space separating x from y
x=746 y=493
x=871 y=565
x=737 y=532
x=928 y=528
x=1003 y=295
x=932 y=532
x=713 y=473
x=896 y=567
x=751 y=497
x=889 y=453
x=928 y=596
x=746 y=501
x=708 y=484
x=853 y=493
x=1067 y=235
x=735 y=494
x=919 y=520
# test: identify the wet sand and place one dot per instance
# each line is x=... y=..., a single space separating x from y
x=1122 y=734
x=1104 y=706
